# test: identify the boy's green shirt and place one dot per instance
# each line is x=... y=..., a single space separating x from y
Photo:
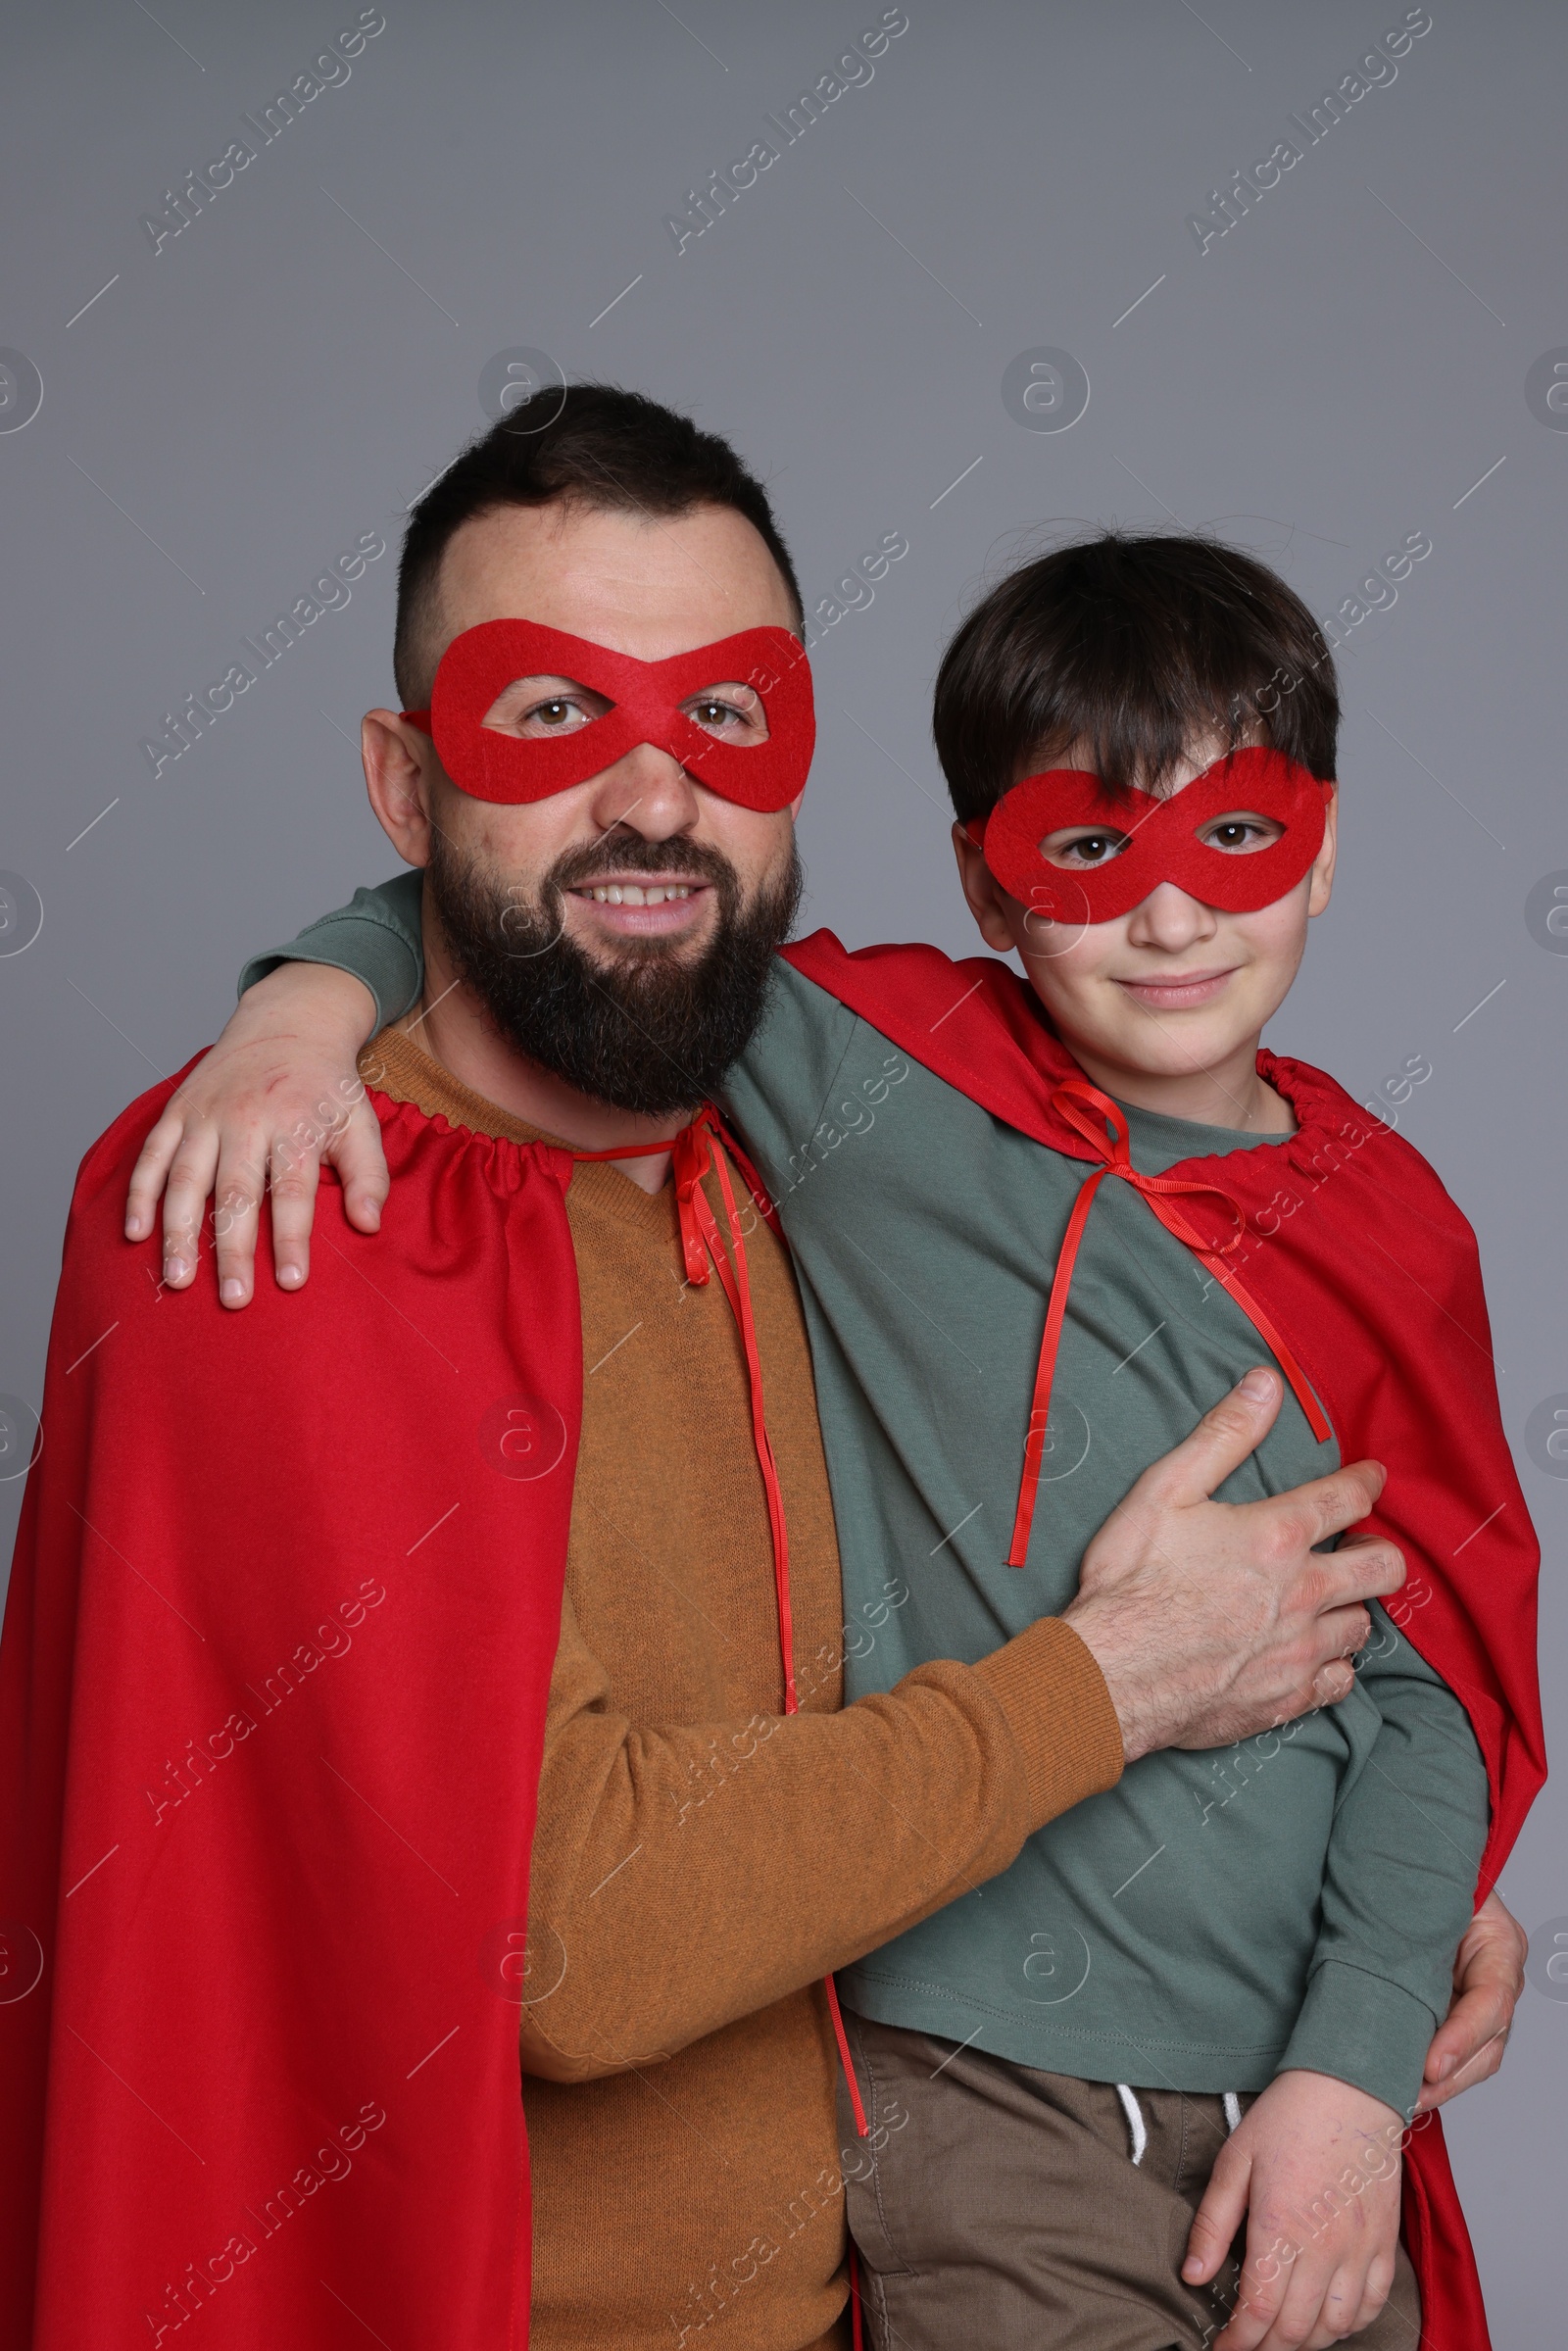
x=1294 y=1902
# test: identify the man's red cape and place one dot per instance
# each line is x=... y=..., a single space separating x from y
x=1370 y=1274
x=273 y=1689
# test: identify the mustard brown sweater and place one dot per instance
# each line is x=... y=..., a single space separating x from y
x=702 y=1861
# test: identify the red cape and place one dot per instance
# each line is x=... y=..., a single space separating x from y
x=273 y=1686
x=1370 y=1274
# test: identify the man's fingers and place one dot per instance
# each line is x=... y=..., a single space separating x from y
x=1478 y=2065
x=190 y=1180
x=357 y=1153
x=148 y=1174
x=1469 y=2044
x=1342 y=1498
x=1488 y=1979
x=1367 y=1567
x=1221 y=1442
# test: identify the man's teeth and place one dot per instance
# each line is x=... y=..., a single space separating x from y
x=631 y=894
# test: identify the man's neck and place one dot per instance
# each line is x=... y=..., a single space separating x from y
x=448 y=1023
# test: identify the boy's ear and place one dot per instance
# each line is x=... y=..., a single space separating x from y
x=1322 y=887
x=986 y=899
x=398 y=781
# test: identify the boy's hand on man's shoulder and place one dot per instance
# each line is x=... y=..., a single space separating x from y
x=277 y=1097
x=1214 y=1621
x=1314 y=2167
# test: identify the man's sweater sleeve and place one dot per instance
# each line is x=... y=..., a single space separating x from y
x=1399 y=1888
x=687 y=1875
x=376 y=937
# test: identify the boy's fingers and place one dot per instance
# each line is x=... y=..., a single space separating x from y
x=1299 y=2320
x=1217 y=2217
x=296 y=1174
x=1257 y=2304
x=357 y=1153
x=1221 y=1442
x=1339 y=2312
x=190 y=1180
x=1375 y=2290
x=147 y=1176
x=236 y=1207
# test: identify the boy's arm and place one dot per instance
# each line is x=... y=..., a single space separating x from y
x=279 y=1095
x=377 y=936
x=1399 y=1880
x=1315 y=2165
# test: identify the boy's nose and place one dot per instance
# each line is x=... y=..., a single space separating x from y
x=1170 y=918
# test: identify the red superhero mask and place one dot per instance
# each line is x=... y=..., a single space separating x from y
x=1161 y=836
x=647 y=698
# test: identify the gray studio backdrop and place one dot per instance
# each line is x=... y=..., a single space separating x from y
x=1015 y=268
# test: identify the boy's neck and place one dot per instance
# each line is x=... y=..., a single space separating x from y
x=1231 y=1094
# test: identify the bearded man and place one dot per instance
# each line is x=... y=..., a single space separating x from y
x=525 y=1498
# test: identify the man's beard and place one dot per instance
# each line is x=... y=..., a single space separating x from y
x=649 y=1028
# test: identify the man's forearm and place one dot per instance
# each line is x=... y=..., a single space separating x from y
x=686 y=1876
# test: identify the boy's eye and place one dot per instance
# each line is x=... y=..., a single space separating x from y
x=1083 y=849
x=1240 y=835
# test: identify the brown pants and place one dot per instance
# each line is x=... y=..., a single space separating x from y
x=1000 y=2206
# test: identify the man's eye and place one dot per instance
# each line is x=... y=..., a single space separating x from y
x=733 y=711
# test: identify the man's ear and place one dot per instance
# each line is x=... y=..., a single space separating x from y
x=1323 y=864
x=984 y=893
x=399 y=760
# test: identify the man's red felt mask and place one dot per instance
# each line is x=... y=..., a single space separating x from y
x=647 y=697
x=1162 y=838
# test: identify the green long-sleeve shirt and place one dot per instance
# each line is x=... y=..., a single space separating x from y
x=1294 y=1902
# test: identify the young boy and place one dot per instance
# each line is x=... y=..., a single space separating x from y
x=1031 y=1253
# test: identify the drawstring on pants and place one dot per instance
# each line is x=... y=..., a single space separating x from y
x=1138 y=2128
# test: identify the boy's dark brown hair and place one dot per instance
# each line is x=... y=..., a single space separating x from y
x=586 y=444
x=1132 y=646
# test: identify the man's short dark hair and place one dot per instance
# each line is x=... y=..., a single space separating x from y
x=1133 y=647
x=590 y=445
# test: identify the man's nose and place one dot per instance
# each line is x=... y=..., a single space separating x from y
x=1170 y=918
x=648 y=791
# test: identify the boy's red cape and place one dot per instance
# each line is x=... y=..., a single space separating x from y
x=273 y=1690
x=1370 y=1274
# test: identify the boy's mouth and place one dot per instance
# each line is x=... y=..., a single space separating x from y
x=1179 y=992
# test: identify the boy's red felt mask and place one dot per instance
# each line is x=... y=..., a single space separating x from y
x=647 y=697
x=1162 y=842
